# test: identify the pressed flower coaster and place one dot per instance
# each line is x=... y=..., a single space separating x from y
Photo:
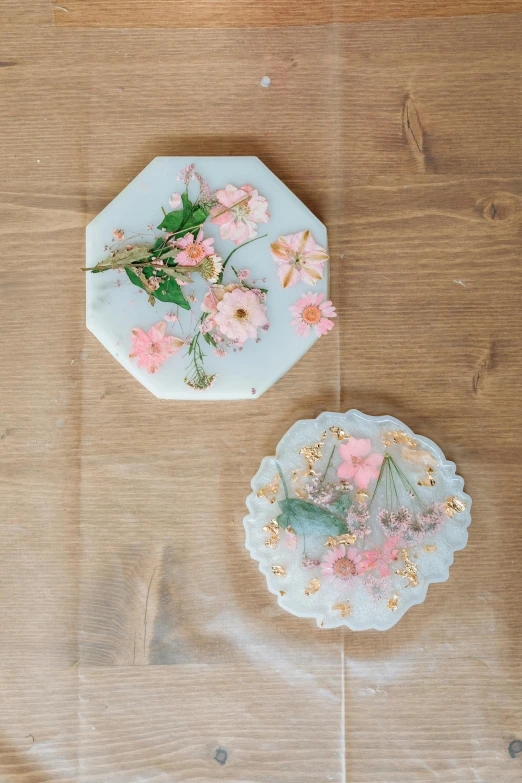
x=207 y=278
x=354 y=518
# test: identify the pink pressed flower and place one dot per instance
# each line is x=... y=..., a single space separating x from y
x=118 y=233
x=358 y=463
x=152 y=348
x=238 y=211
x=182 y=282
x=171 y=317
x=342 y=563
x=219 y=352
x=186 y=174
x=290 y=540
x=192 y=298
x=150 y=227
x=380 y=559
x=193 y=250
x=299 y=257
x=175 y=201
x=153 y=283
x=243 y=274
x=310 y=310
x=239 y=315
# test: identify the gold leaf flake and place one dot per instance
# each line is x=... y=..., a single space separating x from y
x=272 y=542
x=398 y=436
x=428 y=480
x=272 y=527
x=345 y=609
x=312 y=587
x=322 y=623
x=392 y=603
x=454 y=505
x=345 y=538
x=330 y=541
x=313 y=454
x=282 y=592
x=341 y=434
x=409 y=571
x=418 y=457
x=278 y=570
x=361 y=496
x=430 y=548
x=270 y=489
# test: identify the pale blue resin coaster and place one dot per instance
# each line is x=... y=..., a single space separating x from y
x=270 y=243
x=353 y=518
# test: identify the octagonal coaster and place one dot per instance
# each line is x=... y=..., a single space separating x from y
x=207 y=278
x=354 y=518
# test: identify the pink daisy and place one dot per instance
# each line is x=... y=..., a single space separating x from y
x=358 y=463
x=152 y=348
x=193 y=250
x=299 y=257
x=341 y=563
x=239 y=315
x=238 y=212
x=310 y=310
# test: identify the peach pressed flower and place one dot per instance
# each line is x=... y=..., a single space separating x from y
x=299 y=257
x=119 y=234
x=152 y=348
x=193 y=250
x=239 y=315
x=341 y=563
x=380 y=559
x=310 y=310
x=238 y=212
x=358 y=463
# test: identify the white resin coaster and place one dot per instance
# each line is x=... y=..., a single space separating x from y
x=354 y=518
x=207 y=278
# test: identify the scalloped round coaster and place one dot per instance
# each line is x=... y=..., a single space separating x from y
x=353 y=518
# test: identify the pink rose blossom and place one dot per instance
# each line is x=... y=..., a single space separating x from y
x=119 y=234
x=243 y=274
x=299 y=257
x=238 y=212
x=239 y=315
x=152 y=348
x=171 y=317
x=341 y=563
x=358 y=463
x=193 y=250
x=175 y=200
x=310 y=310
x=380 y=558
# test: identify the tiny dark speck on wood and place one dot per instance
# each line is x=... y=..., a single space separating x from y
x=515 y=748
x=221 y=756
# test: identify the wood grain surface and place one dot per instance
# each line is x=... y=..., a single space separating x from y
x=139 y=642
x=261 y=13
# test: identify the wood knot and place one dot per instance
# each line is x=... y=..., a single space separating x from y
x=502 y=207
x=414 y=132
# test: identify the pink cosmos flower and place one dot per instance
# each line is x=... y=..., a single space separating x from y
x=152 y=348
x=341 y=563
x=299 y=257
x=118 y=233
x=358 y=463
x=238 y=211
x=310 y=310
x=175 y=200
x=380 y=559
x=193 y=250
x=239 y=315
x=290 y=540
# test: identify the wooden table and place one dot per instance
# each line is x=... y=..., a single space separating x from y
x=139 y=641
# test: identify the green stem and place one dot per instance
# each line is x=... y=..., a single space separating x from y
x=220 y=279
x=327 y=467
x=278 y=466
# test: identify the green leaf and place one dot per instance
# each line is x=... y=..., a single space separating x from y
x=209 y=339
x=199 y=215
x=172 y=220
x=307 y=519
x=170 y=291
x=342 y=504
x=187 y=207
